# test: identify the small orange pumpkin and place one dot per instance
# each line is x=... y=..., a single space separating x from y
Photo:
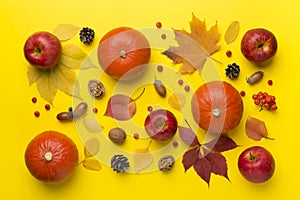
x=217 y=107
x=124 y=53
x=51 y=156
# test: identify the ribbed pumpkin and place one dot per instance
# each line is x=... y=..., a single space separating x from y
x=124 y=53
x=217 y=107
x=51 y=156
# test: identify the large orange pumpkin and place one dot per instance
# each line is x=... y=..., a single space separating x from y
x=124 y=53
x=217 y=107
x=51 y=156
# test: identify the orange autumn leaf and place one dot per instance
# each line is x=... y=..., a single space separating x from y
x=194 y=47
x=256 y=129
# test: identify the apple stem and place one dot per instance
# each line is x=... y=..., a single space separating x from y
x=252 y=157
x=48 y=156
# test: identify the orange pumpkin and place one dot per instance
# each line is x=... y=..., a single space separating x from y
x=124 y=53
x=217 y=107
x=51 y=156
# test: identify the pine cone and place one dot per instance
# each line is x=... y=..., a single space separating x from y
x=119 y=163
x=232 y=71
x=87 y=35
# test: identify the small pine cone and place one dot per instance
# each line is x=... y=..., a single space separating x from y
x=119 y=163
x=232 y=71
x=87 y=35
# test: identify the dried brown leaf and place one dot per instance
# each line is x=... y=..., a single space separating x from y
x=177 y=101
x=232 y=32
x=92 y=164
x=46 y=88
x=256 y=129
x=65 y=31
x=142 y=158
x=91 y=147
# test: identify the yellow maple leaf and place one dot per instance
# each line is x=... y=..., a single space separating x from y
x=194 y=47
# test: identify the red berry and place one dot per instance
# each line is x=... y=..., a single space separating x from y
x=228 y=53
x=257 y=102
x=163 y=36
x=187 y=88
x=34 y=99
x=274 y=107
x=242 y=93
x=270 y=82
x=180 y=81
x=150 y=108
x=272 y=98
x=160 y=68
x=267 y=106
x=254 y=97
x=175 y=144
x=136 y=136
x=158 y=24
x=47 y=106
x=95 y=110
x=37 y=113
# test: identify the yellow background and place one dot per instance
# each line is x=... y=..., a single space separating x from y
x=19 y=19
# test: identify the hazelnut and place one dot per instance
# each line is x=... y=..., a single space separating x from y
x=117 y=135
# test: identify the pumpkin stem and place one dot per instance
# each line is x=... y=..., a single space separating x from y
x=48 y=156
x=122 y=54
x=216 y=112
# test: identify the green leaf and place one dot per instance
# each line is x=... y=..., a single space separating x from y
x=33 y=74
x=65 y=31
x=92 y=164
x=64 y=79
x=46 y=88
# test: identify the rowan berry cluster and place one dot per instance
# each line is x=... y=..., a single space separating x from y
x=265 y=100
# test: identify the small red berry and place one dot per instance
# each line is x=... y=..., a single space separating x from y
x=175 y=144
x=95 y=110
x=163 y=36
x=180 y=82
x=47 y=106
x=36 y=113
x=256 y=101
x=228 y=53
x=274 y=107
x=34 y=99
x=187 y=88
x=270 y=82
x=242 y=93
x=150 y=108
x=158 y=24
x=160 y=68
x=254 y=97
x=136 y=136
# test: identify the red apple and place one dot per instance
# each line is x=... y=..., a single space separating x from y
x=43 y=50
x=259 y=45
x=161 y=125
x=256 y=164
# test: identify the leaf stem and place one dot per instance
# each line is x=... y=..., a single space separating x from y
x=215 y=60
x=139 y=95
x=149 y=145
